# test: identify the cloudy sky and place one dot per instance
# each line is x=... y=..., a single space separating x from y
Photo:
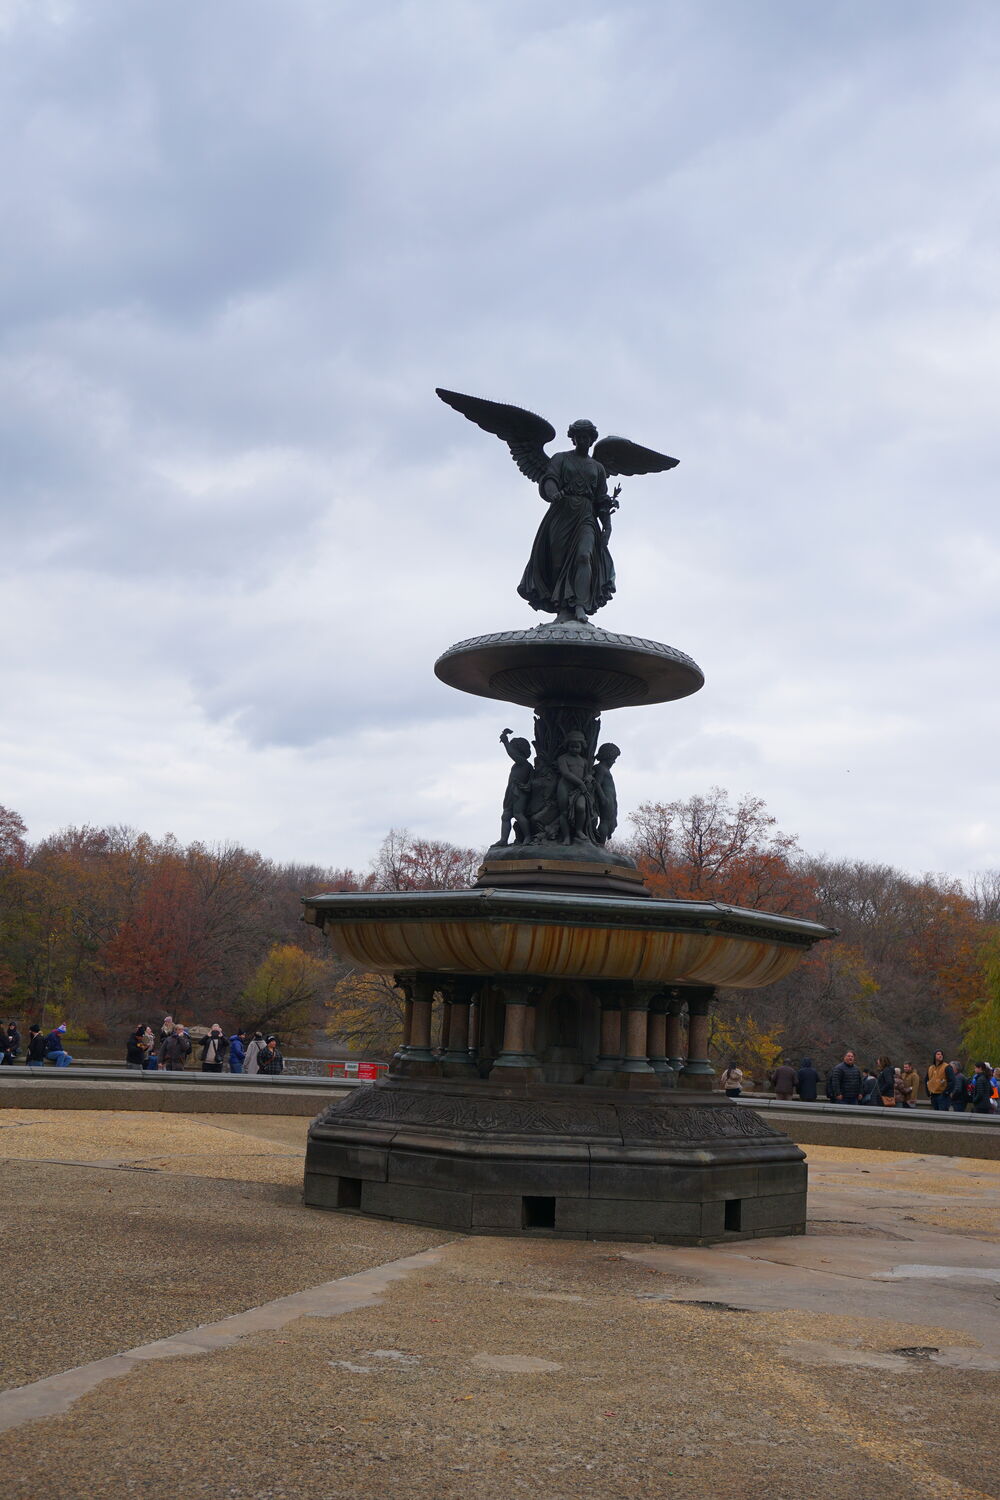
x=244 y=240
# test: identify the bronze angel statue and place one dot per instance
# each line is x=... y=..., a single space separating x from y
x=569 y=572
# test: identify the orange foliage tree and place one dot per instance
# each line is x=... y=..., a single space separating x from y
x=708 y=848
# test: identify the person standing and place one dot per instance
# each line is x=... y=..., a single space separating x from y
x=807 y=1081
x=237 y=1051
x=846 y=1076
x=982 y=1089
x=213 y=1050
x=886 y=1082
x=136 y=1048
x=731 y=1081
x=36 y=1048
x=175 y=1050
x=270 y=1061
x=910 y=1085
x=938 y=1079
x=869 y=1087
x=11 y=1046
x=783 y=1080
x=256 y=1046
x=959 y=1091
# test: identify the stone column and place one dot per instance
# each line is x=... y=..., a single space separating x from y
x=656 y=1040
x=634 y=1071
x=516 y=1062
x=610 y=1055
x=697 y=1072
x=445 y=1019
x=418 y=1060
x=458 y=996
x=675 y=1032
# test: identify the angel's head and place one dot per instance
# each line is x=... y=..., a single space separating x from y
x=582 y=434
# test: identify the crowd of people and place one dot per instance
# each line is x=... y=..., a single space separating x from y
x=169 y=1050
x=946 y=1084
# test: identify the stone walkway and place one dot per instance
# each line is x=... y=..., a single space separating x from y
x=180 y=1325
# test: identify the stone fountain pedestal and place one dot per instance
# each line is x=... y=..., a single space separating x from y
x=543 y=1159
x=567 y=1087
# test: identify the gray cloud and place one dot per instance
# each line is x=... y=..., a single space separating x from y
x=244 y=244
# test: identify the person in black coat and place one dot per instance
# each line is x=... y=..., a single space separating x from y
x=959 y=1091
x=886 y=1082
x=807 y=1081
x=136 y=1048
x=36 y=1048
x=846 y=1081
x=982 y=1089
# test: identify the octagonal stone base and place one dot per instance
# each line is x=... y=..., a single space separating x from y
x=540 y=1159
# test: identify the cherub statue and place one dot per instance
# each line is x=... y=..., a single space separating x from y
x=573 y=792
x=569 y=572
x=605 y=794
x=518 y=794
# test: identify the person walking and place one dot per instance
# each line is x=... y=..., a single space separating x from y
x=213 y=1050
x=807 y=1081
x=886 y=1082
x=958 y=1094
x=55 y=1052
x=783 y=1080
x=36 y=1048
x=910 y=1083
x=237 y=1051
x=270 y=1061
x=136 y=1049
x=254 y=1049
x=731 y=1081
x=938 y=1079
x=846 y=1076
x=982 y=1090
x=175 y=1049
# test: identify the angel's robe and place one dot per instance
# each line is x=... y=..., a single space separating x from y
x=557 y=576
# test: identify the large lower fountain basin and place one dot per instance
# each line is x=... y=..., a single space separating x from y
x=560 y=936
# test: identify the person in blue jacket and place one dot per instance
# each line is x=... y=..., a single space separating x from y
x=237 y=1051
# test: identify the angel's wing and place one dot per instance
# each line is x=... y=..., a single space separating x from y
x=524 y=433
x=619 y=456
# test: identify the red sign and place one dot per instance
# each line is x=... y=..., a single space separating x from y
x=367 y=1070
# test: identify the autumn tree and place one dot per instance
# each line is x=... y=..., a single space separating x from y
x=404 y=863
x=366 y=1013
x=708 y=848
x=284 y=991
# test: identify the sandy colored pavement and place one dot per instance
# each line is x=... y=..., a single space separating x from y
x=862 y=1358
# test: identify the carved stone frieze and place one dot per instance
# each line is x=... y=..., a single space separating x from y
x=488 y=1115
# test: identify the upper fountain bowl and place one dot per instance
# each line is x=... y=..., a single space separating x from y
x=569 y=664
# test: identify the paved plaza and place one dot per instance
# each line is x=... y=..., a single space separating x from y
x=177 y=1324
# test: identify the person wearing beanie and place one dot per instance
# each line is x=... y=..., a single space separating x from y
x=270 y=1060
x=54 y=1049
x=36 y=1047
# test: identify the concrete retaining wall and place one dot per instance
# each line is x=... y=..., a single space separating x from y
x=927 y=1132
x=181 y=1095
